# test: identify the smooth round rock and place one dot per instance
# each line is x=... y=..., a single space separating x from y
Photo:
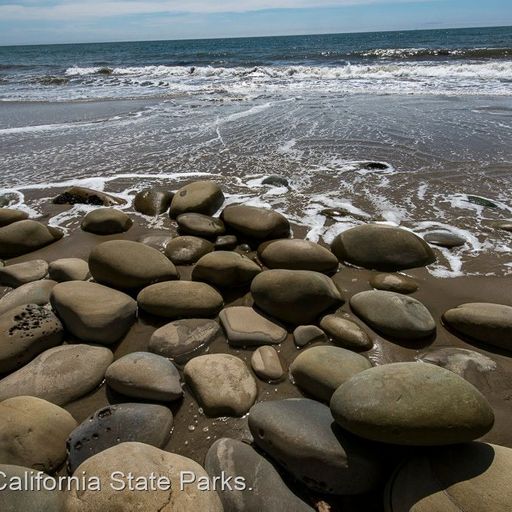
x=393 y=314
x=37 y=292
x=444 y=239
x=119 y=423
x=204 y=197
x=236 y=459
x=186 y=250
x=245 y=327
x=141 y=460
x=180 y=299
x=266 y=363
x=93 y=312
x=226 y=243
x=145 y=375
x=381 y=247
x=296 y=254
x=69 y=269
x=83 y=195
x=197 y=224
x=346 y=333
x=23 y=273
x=182 y=337
x=305 y=334
x=393 y=283
x=60 y=374
x=225 y=269
x=254 y=222
x=483 y=322
x=319 y=371
x=26 y=236
x=33 y=433
x=300 y=435
x=127 y=265
x=106 y=221
x=10 y=215
x=222 y=384
x=430 y=406
x=25 y=332
x=294 y=296
x=152 y=202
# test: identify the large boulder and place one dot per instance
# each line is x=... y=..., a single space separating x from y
x=106 y=221
x=294 y=296
x=256 y=223
x=394 y=314
x=10 y=215
x=83 y=195
x=197 y=224
x=69 y=269
x=186 y=250
x=346 y=333
x=152 y=202
x=430 y=406
x=127 y=265
x=204 y=197
x=381 y=247
x=23 y=273
x=37 y=292
x=93 y=312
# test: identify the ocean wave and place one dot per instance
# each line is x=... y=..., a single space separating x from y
x=417 y=53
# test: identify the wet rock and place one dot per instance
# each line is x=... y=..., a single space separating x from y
x=444 y=239
x=319 y=371
x=33 y=433
x=180 y=299
x=69 y=269
x=381 y=247
x=10 y=215
x=305 y=334
x=37 y=293
x=157 y=242
x=59 y=375
x=301 y=436
x=226 y=243
x=296 y=254
x=221 y=383
x=23 y=273
x=225 y=269
x=93 y=312
x=186 y=250
x=266 y=363
x=106 y=221
x=431 y=406
x=141 y=460
x=275 y=181
x=375 y=166
x=237 y=459
x=197 y=224
x=125 y=265
x=254 y=222
x=483 y=322
x=26 y=236
x=152 y=202
x=505 y=225
x=294 y=296
x=346 y=333
x=25 y=332
x=481 y=201
x=393 y=283
x=245 y=327
x=145 y=375
x=82 y=195
x=115 y=424
x=393 y=314
x=204 y=197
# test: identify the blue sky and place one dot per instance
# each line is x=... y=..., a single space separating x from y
x=62 y=21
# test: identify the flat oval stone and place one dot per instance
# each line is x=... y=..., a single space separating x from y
x=305 y=334
x=69 y=269
x=430 y=406
x=152 y=202
x=444 y=239
x=180 y=299
x=115 y=424
x=127 y=265
x=245 y=327
x=346 y=333
x=319 y=371
x=393 y=314
x=197 y=224
x=266 y=363
x=145 y=375
x=296 y=254
x=37 y=292
x=186 y=250
x=60 y=374
x=254 y=222
x=393 y=283
x=204 y=197
x=10 y=215
x=300 y=435
x=381 y=247
x=23 y=273
x=106 y=221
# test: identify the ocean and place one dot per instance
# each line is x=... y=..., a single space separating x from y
x=398 y=127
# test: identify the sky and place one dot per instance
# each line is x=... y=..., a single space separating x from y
x=71 y=21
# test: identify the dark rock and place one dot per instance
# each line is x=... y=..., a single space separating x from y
x=481 y=201
x=106 y=221
x=306 y=334
x=187 y=250
x=275 y=181
x=226 y=243
x=152 y=202
x=198 y=197
x=197 y=224
x=82 y=195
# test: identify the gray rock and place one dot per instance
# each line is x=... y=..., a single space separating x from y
x=222 y=384
x=245 y=327
x=186 y=250
x=180 y=299
x=145 y=375
x=294 y=296
x=23 y=273
x=10 y=215
x=444 y=239
x=275 y=181
x=257 y=223
x=345 y=333
x=381 y=247
x=266 y=363
x=319 y=371
x=306 y=334
x=126 y=265
x=60 y=374
x=301 y=436
x=93 y=312
x=25 y=332
x=83 y=195
x=197 y=224
x=481 y=201
x=226 y=243
x=393 y=314
x=393 y=283
x=37 y=292
x=152 y=201
x=106 y=221
x=430 y=406
x=204 y=197
x=115 y=424
x=157 y=242
x=69 y=269
x=270 y=494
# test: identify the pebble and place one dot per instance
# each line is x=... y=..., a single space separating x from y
x=152 y=202
x=305 y=334
x=266 y=363
x=393 y=283
x=346 y=333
